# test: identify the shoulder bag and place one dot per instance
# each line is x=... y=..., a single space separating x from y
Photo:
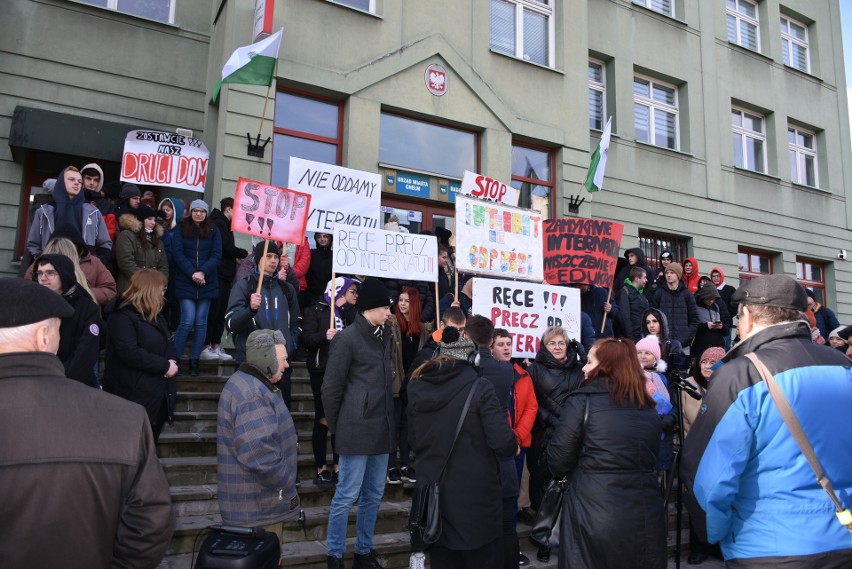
x=551 y=503
x=424 y=521
x=795 y=428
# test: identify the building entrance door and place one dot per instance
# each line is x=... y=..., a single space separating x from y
x=417 y=216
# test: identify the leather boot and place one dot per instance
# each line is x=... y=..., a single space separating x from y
x=193 y=367
x=335 y=562
x=367 y=561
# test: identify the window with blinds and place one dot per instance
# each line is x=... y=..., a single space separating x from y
x=655 y=112
x=597 y=95
x=523 y=29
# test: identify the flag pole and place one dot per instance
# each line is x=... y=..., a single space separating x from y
x=261 y=268
x=608 y=297
x=263 y=114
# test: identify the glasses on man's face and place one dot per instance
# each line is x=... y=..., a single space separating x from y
x=556 y=345
x=49 y=274
x=199 y=212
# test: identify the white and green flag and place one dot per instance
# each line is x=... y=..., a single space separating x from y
x=252 y=65
x=594 y=179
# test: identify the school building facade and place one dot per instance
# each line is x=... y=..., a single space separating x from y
x=730 y=130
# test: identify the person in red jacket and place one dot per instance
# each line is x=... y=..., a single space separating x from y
x=690 y=274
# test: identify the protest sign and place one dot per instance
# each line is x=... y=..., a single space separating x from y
x=270 y=212
x=526 y=310
x=498 y=240
x=340 y=195
x=386 y=254
x=579 y=250
x=486 y=188
x=164 y=159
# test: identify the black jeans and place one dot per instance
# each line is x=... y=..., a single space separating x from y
x=216 y=317
x=320 y=434
x=489 y=555
x=511 y=547
x=400 y=421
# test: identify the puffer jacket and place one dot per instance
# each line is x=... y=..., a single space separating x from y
x=754 y=489
x=131 y=256
x=552 y=381
x=681 y=311
x=192 y=254
x=611 y=505
x=279 y=310
x=625 y=270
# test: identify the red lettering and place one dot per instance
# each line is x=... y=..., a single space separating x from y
x=192 y=171
x=147 y=168
x=482 y=190
x=128 y=165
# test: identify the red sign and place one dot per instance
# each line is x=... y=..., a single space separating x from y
x=578 y=250
x=270 y=212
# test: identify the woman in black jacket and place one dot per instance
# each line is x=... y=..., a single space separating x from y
x=606 y=445
x=556 y=372
x=471 y=510
x=140 y=358
x=317 y=333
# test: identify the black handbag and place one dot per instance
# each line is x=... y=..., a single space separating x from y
x=551 y=502
x=424 y=521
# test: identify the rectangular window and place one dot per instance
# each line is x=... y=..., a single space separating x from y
x=655 y=112
x=426 y=147
x=365 y=5
x=523 y=29
x=743 y=24
x=662 y=6
x=305 y=127
x=754 y=264
x=749 y=138
x=597 y=95
x=794 y=44
x=653 y=245
x=158 y=10
x=812 y=275
x=532 y=176
x=803 y=156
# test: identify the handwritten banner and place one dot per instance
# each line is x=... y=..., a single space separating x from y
x=340 y=195
x=270 y=212
x=386 y=254
x=486 y=188
x=164 y=159
x=579 y=250
x=526 y=310
x=498 y=240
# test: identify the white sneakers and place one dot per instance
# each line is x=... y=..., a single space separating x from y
x=220 y=354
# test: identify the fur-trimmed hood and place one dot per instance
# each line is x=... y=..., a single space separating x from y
x=128 y=222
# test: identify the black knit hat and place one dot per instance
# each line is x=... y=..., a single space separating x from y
x=373 y=294
x=130 y=191
x=28 y=302
x=143 y=212
x=258 y=252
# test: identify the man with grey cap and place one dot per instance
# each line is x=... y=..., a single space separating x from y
x=751 y=487
x=357 y=396
x=82 y=484
x=256 y=440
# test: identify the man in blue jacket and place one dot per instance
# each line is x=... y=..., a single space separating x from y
x=761 y=499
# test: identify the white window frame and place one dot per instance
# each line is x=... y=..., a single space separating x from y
x=649 y=4
x=371 y=9
x=801 y=154
x=739 y=16
x=745 y=133
x=654 y=106
x=543 y=7
x=113 y=5
x=787 y=41
x=600 y=87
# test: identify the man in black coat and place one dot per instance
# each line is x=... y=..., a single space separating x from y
x=633 y=303
x=480 y=330
x=231 y=254
x=357 y=395
x=678 y=304
x=80 y=333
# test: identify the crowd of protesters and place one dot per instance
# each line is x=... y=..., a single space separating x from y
x=390 y=376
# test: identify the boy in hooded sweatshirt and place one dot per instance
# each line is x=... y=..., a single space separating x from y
x=690 y=274
x=70 y=207
x=635 y=258
x=79 y=334
x=93 y=183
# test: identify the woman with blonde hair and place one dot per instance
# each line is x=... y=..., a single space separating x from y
x=606 y=447
x=140 y=357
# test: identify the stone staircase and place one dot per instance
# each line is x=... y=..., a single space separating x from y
x=187 y=452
